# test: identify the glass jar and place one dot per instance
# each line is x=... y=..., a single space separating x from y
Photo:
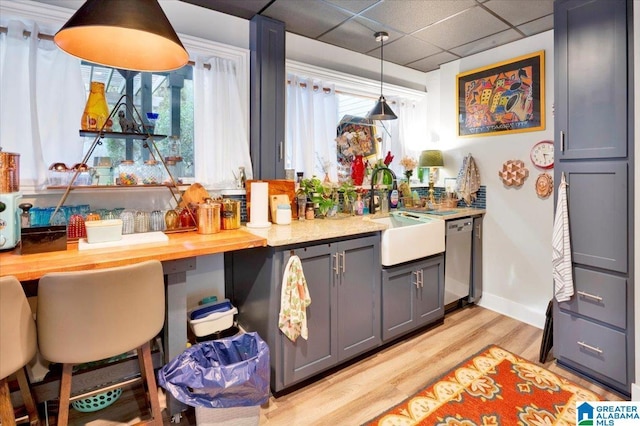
x=151 y=173
x=157 y=222
x=171 y=220
x=128 y=226
x=141 y=222
x=310 y=214
x=185 y=219
x=127 y=173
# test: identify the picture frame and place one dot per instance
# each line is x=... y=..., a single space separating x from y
x=503 y=98
x=350 y=123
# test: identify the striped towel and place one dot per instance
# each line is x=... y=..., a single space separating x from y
x=561 y=241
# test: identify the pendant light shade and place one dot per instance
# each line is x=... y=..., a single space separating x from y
x=381 y=111
x=131 y=34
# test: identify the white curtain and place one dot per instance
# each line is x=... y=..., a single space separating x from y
x=221 y=143
x=41 y=104
x=407 y=135
x=312 y=117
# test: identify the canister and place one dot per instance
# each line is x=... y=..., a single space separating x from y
x=208 y=217
x=283 y=214
x=230 y=214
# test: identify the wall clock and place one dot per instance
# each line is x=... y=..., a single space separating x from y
x=542 y=154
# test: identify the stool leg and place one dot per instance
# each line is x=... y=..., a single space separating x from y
x=65 y=394
x=27 y=397
x=7 y=417
x=146 y=371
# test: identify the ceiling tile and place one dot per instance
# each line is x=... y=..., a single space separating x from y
x=241 y=8
x=462 y=29
x=537 y=26
x=408 y=16
x=358 y=35
x=487 y=43
x=355 y=6
x=312 y=20
x=518 y=12
x=432 y=62
x=406 y=49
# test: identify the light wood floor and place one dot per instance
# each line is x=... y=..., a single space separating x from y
x=362 y=390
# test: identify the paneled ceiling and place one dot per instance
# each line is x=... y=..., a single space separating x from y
x=423 y=34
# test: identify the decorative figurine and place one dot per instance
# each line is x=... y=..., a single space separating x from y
x=126 y=125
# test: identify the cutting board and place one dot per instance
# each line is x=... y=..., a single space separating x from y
x=195 y=194
x=274 y=201
x=276 y=187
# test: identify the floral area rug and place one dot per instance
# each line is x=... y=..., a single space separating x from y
x=493 y=387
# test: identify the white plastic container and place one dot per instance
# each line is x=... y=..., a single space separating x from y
x=283 y=214
x=220 y=318
x=102 y=231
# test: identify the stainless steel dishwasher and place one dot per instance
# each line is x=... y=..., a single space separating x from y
x=457 y=266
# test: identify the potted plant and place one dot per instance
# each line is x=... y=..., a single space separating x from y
x=320 y=194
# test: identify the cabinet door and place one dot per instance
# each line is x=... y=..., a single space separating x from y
x=399 y=286
x=429 y=302
x=304 y=358
x=358 y=296
x=268 y=79
x=598 y=215
x=590 y=79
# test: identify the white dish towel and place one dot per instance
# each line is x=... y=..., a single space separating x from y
x=561 y=241
x=294 y=301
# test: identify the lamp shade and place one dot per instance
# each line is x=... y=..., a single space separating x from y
x=132 y=35
x=431 y=158
x=381 y=111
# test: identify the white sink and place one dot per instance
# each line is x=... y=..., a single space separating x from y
x=410 y=236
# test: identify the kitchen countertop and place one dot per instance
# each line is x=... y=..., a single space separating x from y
x=302 y=231
x=179 y=246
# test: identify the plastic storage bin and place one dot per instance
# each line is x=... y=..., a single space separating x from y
x=212 y=317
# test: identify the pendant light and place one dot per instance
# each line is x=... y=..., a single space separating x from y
x=129 y=34
x=381 y=111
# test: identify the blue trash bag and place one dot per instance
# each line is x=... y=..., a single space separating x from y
x=223 y=373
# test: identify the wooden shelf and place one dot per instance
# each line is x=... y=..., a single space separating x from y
x=116 y=187
x=120 y=135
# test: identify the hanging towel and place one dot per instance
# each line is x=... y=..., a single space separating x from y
x=468 y=181
x=561 y=241
x=294 y=301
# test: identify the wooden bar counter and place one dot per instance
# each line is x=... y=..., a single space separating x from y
x=178 y=255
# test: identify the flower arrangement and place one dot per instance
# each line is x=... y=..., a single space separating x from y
x=356 y=142
x=409 y=163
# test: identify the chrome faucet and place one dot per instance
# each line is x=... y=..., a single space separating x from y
x=372 y=203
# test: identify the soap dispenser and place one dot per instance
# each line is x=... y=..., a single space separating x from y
x=25 y=216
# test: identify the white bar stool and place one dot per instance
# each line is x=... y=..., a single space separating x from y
x=18 y=343
x=89 y=316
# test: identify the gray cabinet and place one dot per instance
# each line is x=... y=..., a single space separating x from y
x=412 y=296
x=590 y=79
x=343 y=278
x=268 y=79
x=594 y=330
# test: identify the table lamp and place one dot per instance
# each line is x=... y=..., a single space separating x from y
x=431 y=158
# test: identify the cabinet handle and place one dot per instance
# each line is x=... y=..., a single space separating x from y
x=336 y=263
x=590 y=296
x=344 y=262
x=478 y=232
x=417 y=281
x=421 y=278
x=591 y=348
x=281 y=150
x=561 y=140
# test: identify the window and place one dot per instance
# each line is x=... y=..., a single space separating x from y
x=149 y=92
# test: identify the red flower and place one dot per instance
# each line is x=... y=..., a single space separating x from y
x=388 y=159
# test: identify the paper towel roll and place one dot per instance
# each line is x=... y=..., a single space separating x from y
x=259 y=205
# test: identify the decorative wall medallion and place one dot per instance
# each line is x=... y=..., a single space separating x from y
x=513 y=173
x=544 y=185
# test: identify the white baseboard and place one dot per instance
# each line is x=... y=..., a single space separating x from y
x=514 y=310
x=635 y=391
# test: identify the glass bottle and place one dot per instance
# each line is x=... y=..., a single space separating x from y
x=96 y=109
x=141 y=223
x=157 y=221
x=185 y=219
x=128 y=226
